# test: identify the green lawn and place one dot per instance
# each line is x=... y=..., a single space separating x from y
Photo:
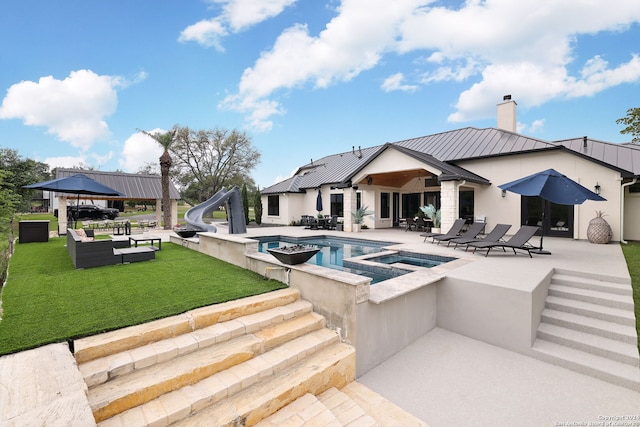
x=632 y=255
x=46 y=300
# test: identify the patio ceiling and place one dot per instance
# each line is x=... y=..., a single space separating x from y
x=395 y=179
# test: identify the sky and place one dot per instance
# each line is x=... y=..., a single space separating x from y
x=80 y=79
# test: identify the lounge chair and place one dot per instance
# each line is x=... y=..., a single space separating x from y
x=454 y=231
x=494 y=235
x=520 y=240
x=473 y=231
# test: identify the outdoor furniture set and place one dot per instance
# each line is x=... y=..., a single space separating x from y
x=86 y=252
x=327 y=222
x=494 y=239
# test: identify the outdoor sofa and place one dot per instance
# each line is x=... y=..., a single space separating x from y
x=86 y=252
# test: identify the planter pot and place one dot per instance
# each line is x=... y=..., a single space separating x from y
x=356 y=228
x=436 y=230
x=292 y=255
x=185 y=233
x=339 y=227
x=599 y=231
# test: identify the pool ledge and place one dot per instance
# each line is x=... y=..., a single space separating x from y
x=393 y=288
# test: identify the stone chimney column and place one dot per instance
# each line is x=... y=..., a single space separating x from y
x=507 y=114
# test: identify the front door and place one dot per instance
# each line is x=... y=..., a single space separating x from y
x=555 y=220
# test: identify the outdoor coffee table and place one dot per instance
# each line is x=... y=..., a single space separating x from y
x=134 y=240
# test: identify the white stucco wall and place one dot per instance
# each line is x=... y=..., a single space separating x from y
x=500 y=170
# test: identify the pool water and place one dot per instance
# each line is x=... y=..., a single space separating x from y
x=419 y=260
x=333 y=251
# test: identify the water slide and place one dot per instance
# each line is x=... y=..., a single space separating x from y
x=235 y=212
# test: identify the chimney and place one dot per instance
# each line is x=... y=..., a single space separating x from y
x=507 y=114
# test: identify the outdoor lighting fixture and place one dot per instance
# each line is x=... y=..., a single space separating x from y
x=597 y=188
x=504 y=193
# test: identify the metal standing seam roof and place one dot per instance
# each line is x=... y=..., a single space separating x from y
x=443 y=149
x=623 y=157
x=133 y=186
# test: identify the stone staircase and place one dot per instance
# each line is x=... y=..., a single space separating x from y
x=231 y=364
x=588 y=325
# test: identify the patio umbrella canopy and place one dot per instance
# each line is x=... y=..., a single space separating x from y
x=319 y=201
x=554 y=187
x=75 y=184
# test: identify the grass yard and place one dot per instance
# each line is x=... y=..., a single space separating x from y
x=46 y=300
x=632 y=255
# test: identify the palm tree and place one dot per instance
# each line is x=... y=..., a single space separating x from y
x=165 y=140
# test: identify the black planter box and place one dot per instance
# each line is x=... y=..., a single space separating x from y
x=293 y=255
x=185 y=233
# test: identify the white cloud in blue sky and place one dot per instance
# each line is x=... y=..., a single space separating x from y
x=332 y=74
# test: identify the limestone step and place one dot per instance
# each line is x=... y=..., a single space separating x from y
x=118 y=341
x=180 y=403
x=385 y=412
x=589 y=364
x=345 y=409
x=623 y=302
x=305 y=411
x=576 y=281
x=141 y=386
x=590 y=343
x=595 y=311
x=603 y=328
x=101 y=370
x=333 y=366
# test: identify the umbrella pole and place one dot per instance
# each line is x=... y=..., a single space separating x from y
x=539 y=250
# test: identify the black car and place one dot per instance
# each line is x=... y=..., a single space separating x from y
x=91 y=212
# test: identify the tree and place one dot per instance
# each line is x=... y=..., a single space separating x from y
x=257 y=207
x=208 y=160
x=632 y=123
x=166 y=140
x=245 y=203
x=21 y=172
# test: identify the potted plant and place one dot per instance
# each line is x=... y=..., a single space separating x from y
x=358 y=218
x=599 y=230
x=434 y=215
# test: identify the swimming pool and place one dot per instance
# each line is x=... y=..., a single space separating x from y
x=348 y=254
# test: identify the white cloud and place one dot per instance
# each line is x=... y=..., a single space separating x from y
x=73 y=109
x=65 y=161
x=396 y=82
x=206 y=32
x=520 y=47
x=534 y=127
x=354 y=41
x=140 y=149
x=236 y=16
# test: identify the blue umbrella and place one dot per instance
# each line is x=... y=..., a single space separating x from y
x=319 y=201
x=551 y=185
x=75 y=184
x=554 y=187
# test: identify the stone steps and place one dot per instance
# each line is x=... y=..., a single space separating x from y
x=354 y=405
x=588 y=325
x=101 y=370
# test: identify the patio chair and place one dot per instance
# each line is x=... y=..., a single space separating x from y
x=420 y=224
x=494 y=235
x=472 y=232
x=411 y=224
x=520 y=240
x=454 y=231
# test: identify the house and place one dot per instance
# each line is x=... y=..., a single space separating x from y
x=139 y=187
x=459 y=172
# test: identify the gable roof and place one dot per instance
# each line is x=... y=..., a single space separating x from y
x=133 y=186
x=444 y=150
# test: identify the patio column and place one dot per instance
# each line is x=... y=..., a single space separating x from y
x=448 y=204
x=349 y=201
x=174 y=213
x=62 y=216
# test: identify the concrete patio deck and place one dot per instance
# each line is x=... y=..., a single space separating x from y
x=444 y=378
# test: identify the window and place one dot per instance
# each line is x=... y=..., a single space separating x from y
x=273 y=205
x=384 y=205
x=358 y=200
x=410 y=205
x=337 y=204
